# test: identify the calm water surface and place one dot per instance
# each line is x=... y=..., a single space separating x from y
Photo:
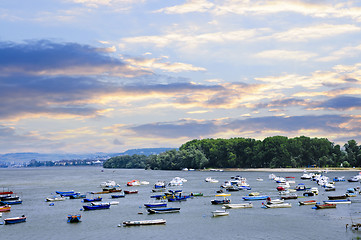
x=194 y=221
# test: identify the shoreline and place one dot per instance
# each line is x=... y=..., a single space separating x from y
x=288 y=169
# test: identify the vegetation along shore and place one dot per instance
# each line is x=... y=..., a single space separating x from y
x=277 y=152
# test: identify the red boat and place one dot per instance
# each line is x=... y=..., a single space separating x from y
x=130 y=192
x=323 y=206
x=6 y=193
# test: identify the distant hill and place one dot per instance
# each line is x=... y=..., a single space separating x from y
x=18 y=158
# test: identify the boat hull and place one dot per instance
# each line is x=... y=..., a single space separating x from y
x=15 y=220
x=163 y=210
x=96 y=207
x=144 y=222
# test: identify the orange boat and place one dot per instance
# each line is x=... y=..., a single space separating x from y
x=5 y=208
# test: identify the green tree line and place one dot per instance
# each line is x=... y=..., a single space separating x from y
x=272 y=152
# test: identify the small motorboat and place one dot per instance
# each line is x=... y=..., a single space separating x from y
x=221 y=201
x=292 y=196
x=15 y=220
x=133 y=183
x=259 y=179
x=211 y=180
x=143 y=222
x=338 y=197
x=253 y=194
x=163 y=210
x=74 y=218
x=218 y=213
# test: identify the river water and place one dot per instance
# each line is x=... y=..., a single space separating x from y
x=194 y=221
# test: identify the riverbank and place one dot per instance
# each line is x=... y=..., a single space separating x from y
x=288 y=169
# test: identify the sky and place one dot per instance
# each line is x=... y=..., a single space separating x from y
x=84 y=76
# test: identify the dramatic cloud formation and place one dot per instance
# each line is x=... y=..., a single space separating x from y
x=111 y=75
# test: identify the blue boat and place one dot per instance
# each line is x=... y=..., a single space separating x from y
x=155 y=204
x=221 y=201
x=177 y=198
x=15 y=220
x=255 y=198
x=74 y=218
x=118 y=196
x=98 y=199
x=77 y=196
x=14 y=202
x=65 y=192
x=163 y=210
x=97 y=206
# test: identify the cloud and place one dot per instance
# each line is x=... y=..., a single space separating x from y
x=50 y=59
x=342 y=103
x=158 y=63
x=259 y=127
x=315 y=32
x=285 y=55
x=189 y=6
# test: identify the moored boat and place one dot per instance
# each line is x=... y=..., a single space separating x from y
x=338 y=201
x=155 y=204
x=14 y=220
x=130 y=191
x=218 y=213
x=310 y=202
x=338 y=197
x=5 y=208
x=74 y=218
x=255 y=198
x=278 y=205
x=54 y=199
x=221 y=201
x=163 y=210
x=118 y=196
x=96 y=206
x=238 y=205
x=144 y=222
x=97 y=199
x=325 y=206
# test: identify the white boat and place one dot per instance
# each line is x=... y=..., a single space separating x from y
x=144 y=182
x=338 y=201
x=260 y=179
x=108 y=184
x=211 y=180
x=143 y=222
x=177 y=181
x=275 y=201
x=238 y=205
x=278 y=205
x=218 y=213
x=54 y=199
x=102 y=203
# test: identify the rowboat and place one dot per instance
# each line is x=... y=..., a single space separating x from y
x=292 y=196
x=74 y=218
x=98 y=199
x=54 y=199
x=324 y=206
x=130 y=191
x=155 y=204
x=218 y=213
x=310 y=202
x=143 y=222
x=163 y=210
x=118 y=196
x=238 y=205
x=253 y=194
x=65 y=192
x=338 y=197
x=96 y=206
x=338 y=201
x=5 y=208
x=13 y=202
x=15 y=220
x=278 y=205
x=255 y=198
